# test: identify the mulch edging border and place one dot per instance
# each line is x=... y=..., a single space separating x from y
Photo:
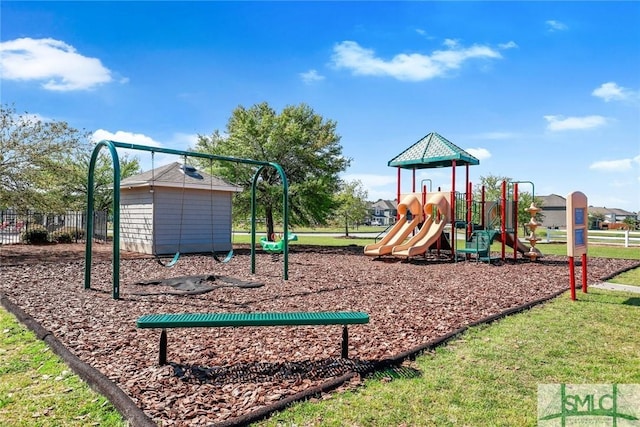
x=133 y=414
x=96 y=380
x=136 y=416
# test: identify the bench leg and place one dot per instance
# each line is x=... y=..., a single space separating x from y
x=162 y=359
x=345 y=342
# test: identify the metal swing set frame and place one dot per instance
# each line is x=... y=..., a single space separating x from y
x=112 y=146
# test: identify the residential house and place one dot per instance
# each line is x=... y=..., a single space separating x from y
x=383 y=212
x=554 y=211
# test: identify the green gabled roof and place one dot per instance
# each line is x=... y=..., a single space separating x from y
x=432 y=151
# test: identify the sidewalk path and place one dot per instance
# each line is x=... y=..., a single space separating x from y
x=617 y=287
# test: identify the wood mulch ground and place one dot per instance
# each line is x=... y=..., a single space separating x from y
x=217 y=375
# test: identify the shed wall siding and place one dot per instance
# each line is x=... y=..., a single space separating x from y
x=191 y=221
x=136 y=213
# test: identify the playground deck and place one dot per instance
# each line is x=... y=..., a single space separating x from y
x=223 y=374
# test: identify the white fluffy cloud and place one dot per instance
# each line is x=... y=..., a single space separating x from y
x=311 y=76
x=553 y=25
x=479 y=153
x=54 y=63
x=612 y=92
x=621 y=165
x=560 y=123
x=410 y=67
x=122 y=136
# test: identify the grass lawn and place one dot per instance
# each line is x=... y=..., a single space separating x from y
x=487 y=376
x=38 y=389
x=490 y=374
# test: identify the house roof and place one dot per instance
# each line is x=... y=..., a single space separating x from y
x=553 y=200
x=384 y=204
x=174 y=175
x=432 y=151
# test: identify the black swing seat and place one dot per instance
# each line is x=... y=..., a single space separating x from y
x=171 y=263
x=225 y=259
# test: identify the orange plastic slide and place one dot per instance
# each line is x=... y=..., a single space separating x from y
x=430 y=230
x=400 y=230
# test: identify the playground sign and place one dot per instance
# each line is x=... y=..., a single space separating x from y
x=577 y=218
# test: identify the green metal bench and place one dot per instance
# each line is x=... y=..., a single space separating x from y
x=216 y=320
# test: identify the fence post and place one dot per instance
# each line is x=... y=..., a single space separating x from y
x=626 y=238
x=548 y=235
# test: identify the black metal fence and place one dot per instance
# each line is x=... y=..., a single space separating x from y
x=65 y=227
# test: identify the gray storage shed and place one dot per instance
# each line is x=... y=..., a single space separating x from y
x=175 y=208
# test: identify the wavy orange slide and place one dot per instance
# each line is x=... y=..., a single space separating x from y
x=430 y=230
x=400 y=230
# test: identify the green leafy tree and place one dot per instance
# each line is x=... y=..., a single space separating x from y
x=77 y=183
x=301 y=141
x=44 y=165
x=493 y=193
x=352 y=204
x=631 y=222
x=33 y=161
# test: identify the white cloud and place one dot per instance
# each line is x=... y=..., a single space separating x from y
x=553 y=25
x=377 y=186
x=478 y=153
x=621 y=165
x=560 y=123
x=179 y=141
x=408 y=67
x=311 y=76
x=612 y=92
x=123 y=136
x=58 y=65
x=508 y=45
x=183 y=141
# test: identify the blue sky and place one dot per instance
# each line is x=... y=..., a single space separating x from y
x=547 y=92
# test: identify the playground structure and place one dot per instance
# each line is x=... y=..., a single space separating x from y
x=112 y=146
x=482 y=221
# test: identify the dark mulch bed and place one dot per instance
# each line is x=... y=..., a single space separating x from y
x=225 y=373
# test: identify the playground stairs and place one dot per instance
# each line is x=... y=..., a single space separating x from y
x=479 y=245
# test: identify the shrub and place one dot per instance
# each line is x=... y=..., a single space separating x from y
x=63 y=236
x=36 y=234
x=78 y=234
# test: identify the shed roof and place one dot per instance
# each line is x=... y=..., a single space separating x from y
x=553 y=200
x=175 y=176
x=432 y=151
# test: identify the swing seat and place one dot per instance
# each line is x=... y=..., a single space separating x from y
x=225 y=259
x=276 y=247
x=171 y=263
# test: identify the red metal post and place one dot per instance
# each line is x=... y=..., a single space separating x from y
x=515 y=221
x=398 y=192
x=503 y=215
x=482 y=209
x=453 y=206
x=584 y=273
x=469 y=206
x=572 y=278
x=413 y=186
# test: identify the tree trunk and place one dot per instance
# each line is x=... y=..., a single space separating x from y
x=346 y=226
x=269 y=220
